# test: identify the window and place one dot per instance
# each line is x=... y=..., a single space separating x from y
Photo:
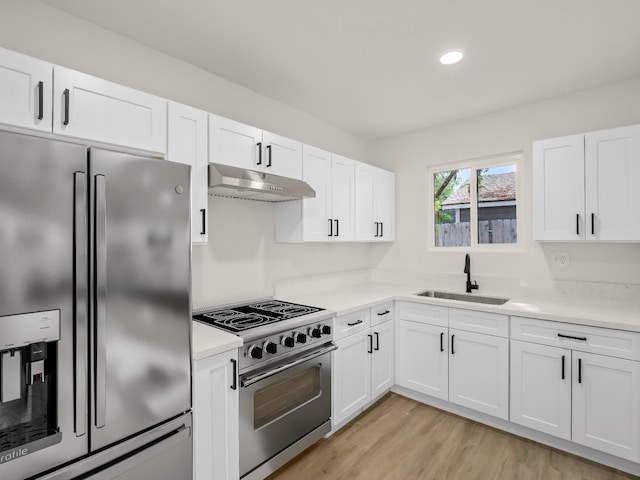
x=476 y=203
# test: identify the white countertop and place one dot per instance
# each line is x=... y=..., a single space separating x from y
x=207 y=341
x=594 y=311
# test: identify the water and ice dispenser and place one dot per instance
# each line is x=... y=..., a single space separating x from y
x=28 y=352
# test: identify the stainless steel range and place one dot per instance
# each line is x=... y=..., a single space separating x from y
x=284 y=376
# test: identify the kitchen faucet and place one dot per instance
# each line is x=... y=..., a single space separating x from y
x=467 y=270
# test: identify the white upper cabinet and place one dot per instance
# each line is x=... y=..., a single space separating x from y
x=584 y=186
x=342 y=199
x=612 y=176
x=240 y=145
x=25 y=96
x=282 y=156
x=375 y=203
x=234 y=143
x=330 y=215
x=187 y=143
x=90 y=108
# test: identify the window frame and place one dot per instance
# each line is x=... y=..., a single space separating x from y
x=475 y=164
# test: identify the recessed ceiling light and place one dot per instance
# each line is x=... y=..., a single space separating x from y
x=451 y=57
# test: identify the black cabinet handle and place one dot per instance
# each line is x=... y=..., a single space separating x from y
x=234 y=385
x=584 y=339
x=203 y=211
x=66 y=106
x=562 y=367
x=442 y=341
x=40 y=100
x=383 y=313
x=579 y=370
x=337 y=228
x=593 y=224
x=370 y=344
x=381 y=229
x=331 y=227
x=577 y=224
x=377 y=229
x=377 y=341
x=259 y=153
x=355 y=323
x=452 y=349
x=268 y=155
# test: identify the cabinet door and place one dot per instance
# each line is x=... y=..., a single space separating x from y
x=606 y=395
x=382 y=359
x=215 y=418
x=422 y=360
x=385 y=204
x=479 y=372
x=342 y=198
x=187 y=143
x=93 y=109
x=234 y=143
x=541 y=388
x=612 y=176
x=366 y=224
x=351 y=375
x=316 y=171
x=25 y=96
x=558 y=189
x=282 y=156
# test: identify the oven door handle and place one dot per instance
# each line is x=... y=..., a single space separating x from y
x=246 y=381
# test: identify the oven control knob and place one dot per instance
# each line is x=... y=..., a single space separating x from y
x=315 y=332
x=255 y=352
x=288 y=342
x=301 y=338
x=326 y=329
x=270 y=347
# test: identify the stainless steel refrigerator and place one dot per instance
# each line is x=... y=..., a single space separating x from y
x=95 y=313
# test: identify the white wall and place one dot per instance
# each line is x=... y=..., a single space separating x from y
x=241 y=260
x=501 y=132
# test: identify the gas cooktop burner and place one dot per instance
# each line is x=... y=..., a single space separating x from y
x=243 y=317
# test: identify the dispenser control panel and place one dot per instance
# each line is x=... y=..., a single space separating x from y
x=23 y=329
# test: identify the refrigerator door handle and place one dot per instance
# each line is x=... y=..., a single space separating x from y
x=100 y=271
x=81 y=301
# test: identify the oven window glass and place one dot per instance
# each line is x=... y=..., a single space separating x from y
x=283 y=396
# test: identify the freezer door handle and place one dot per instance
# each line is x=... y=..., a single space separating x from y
x=81 y=301
x=100 y=302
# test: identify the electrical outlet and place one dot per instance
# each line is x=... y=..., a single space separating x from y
x=561 y=259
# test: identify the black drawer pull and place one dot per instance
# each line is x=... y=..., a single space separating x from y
x=355 y=323
x=384 y=313
x=40 y=100
x=66 y=106
x=583 y=339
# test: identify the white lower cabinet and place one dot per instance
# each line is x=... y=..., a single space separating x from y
x=479 y=372
x=422 y=359
x=588 y=398
x=541 y=388
x=363 y=364
x=351 y=376
x=215 y=418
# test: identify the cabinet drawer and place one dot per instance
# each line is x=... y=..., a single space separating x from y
x=381 y=313
x=479 y=322
x=423 y=313
x=605 y=341
x=351 y=323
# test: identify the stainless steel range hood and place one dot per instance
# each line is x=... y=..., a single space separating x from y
x=234 y=182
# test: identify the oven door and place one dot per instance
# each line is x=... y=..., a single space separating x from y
x=281 y=404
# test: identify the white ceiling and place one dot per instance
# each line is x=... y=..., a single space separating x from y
x=371 y=67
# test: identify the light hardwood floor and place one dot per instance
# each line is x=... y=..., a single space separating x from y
x=399 y=438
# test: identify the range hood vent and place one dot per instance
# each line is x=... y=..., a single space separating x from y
x=234 y=182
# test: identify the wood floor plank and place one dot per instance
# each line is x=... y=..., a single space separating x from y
x=401 y=439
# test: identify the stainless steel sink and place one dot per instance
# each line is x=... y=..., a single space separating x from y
x=464 y=297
